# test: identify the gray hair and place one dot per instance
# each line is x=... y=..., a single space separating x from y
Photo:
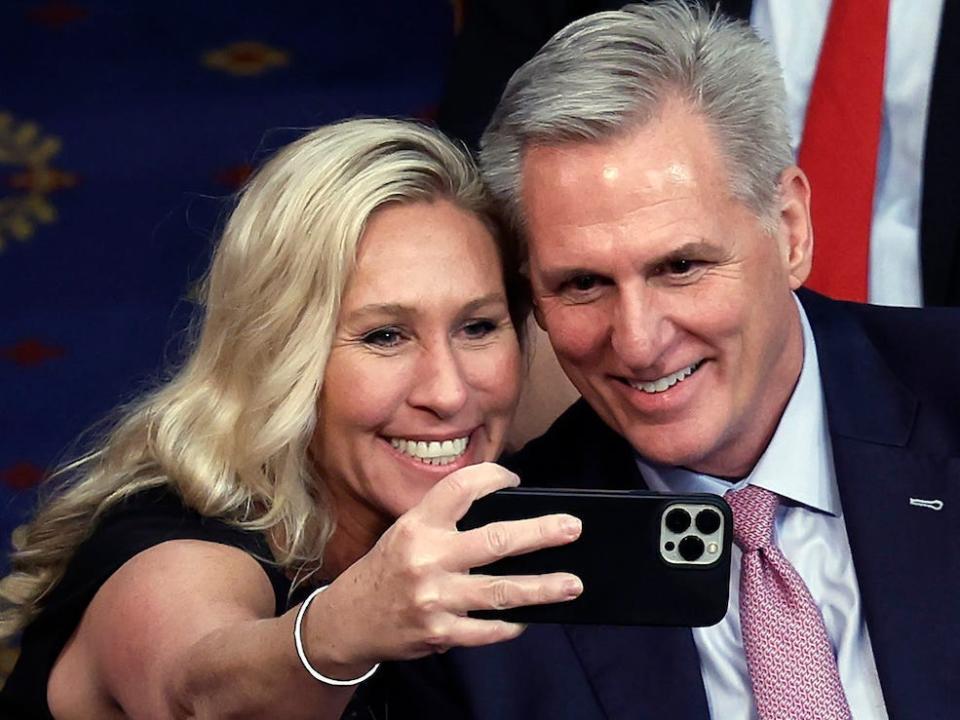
x=611 y=72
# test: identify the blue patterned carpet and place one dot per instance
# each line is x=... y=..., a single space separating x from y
x=124 y=127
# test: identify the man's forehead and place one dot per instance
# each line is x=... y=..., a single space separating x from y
x=673 y=150
x=672 y=197
x=606 y=166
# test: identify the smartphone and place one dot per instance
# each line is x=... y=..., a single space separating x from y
x=644 y=558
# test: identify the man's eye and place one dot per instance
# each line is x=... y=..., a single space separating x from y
x=680 y=266
x=385 y=338
x=582 y=283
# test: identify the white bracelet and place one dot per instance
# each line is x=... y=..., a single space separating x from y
x=303 y=656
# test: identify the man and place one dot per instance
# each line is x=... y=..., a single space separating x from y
x=645 y=157
x=915 y=240
x=913 y=256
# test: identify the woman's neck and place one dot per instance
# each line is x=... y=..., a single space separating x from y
x=358 y=527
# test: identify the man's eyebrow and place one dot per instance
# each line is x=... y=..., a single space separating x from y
x=563 y=272
x=699 y=249
x=702 y=249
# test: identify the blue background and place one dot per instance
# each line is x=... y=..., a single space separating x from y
x=152 y=142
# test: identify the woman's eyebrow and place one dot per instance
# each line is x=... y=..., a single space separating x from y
x=494 y=298
x=380 y=310
x=399 y=310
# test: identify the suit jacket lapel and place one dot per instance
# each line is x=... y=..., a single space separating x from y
x=639 y=673
x=905 y=556
x=635 y=672
x=906 y=563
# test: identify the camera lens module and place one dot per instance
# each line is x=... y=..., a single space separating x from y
x=677 y=520
x=692 y=533
x=691 y=548
x=708 y=521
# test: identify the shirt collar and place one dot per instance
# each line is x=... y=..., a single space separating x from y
x=797 y=463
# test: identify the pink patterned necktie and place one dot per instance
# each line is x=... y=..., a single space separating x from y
x=789 y=656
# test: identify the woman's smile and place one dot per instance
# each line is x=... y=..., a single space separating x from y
x=424 y=373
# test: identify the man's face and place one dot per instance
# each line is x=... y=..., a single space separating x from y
x=667 y=303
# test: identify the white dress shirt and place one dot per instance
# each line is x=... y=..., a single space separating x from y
x=795 y=30
x=809 y=529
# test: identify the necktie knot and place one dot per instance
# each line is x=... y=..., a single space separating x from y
x=753 y=513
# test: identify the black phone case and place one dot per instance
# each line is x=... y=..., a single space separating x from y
x=626 y=580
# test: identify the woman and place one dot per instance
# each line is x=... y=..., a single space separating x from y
x=357 y=361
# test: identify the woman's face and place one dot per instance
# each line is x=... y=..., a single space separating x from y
x=424 y=373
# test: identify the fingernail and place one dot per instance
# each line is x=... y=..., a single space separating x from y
x=571 y=525
x=573 y=587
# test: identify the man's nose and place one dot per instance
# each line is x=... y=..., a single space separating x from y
x=441 y=385
x=639 y=331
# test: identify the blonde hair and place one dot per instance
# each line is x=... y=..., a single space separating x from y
x=229 y=432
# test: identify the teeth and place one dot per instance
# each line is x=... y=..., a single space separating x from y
x=658 y=386
x=433 y=452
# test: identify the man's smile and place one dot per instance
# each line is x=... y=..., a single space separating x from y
x=667 y=381
x=660 y=399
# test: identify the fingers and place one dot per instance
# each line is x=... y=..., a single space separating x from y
x=491 y=542
x=448 y=500
x=471 y=632
x=484 y=592
x=492 y=592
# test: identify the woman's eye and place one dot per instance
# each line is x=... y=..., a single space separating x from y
x=479 y=328
x=388 y=337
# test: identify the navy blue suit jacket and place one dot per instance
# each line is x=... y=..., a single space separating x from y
x=893 y=403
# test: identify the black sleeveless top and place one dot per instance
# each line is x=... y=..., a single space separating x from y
x=149 y=518
x=140 y=522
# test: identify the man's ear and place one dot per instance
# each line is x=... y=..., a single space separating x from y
x=795 y=230
x=538 y=316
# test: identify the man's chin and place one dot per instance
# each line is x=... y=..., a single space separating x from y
x=664 y=446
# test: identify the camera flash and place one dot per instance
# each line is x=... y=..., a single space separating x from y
x=712 y=548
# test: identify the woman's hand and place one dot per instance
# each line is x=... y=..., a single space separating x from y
x=409 y=596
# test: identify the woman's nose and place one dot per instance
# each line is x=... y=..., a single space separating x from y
x=441 y=385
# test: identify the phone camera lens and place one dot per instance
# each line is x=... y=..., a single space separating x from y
x=708 y=521
x=678 y=520
x=691 y=548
